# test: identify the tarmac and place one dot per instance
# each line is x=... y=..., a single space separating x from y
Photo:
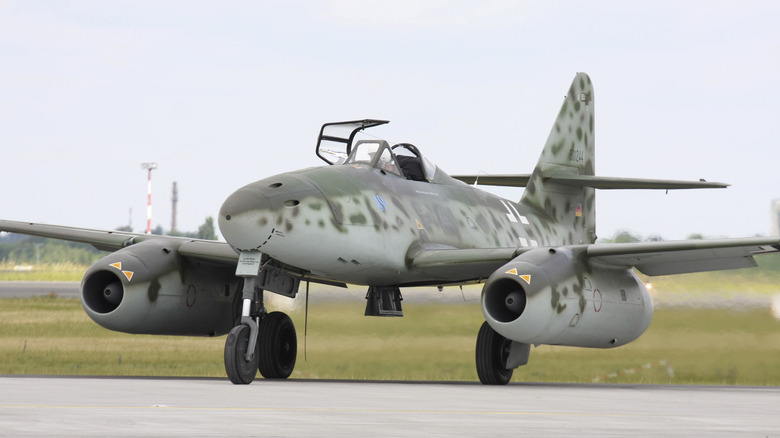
x=29 y=289
x=123 y=407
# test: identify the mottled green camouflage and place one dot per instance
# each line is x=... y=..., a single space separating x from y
x=566 y=214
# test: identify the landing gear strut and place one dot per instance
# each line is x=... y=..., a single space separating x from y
x=264 y=341
x=492 y=357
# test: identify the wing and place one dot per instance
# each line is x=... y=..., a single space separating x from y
x=210 y=250
x=219 y=253
x=650 y=258
x=679 y=257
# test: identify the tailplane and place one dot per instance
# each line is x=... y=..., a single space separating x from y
x=561 y=189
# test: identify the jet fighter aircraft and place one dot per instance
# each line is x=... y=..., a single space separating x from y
x=386 y=217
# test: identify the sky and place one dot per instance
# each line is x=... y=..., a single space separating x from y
x=223 y=94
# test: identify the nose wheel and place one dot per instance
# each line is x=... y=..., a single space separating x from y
x=240 y=370
x=274 y=352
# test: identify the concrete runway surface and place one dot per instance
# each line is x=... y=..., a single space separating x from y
x=84 y=406
x=28 y=289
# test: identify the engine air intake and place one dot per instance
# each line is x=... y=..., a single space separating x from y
x=505 y=300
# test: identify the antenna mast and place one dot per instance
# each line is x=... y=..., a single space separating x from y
x=149 y=167
x=174 y=202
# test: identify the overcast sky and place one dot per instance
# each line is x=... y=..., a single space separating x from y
x=222 y=94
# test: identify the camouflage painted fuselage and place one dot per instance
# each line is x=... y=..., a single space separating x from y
x=360 y=225
x=357 y=223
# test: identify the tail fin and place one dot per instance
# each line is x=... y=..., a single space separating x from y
x=569 y=210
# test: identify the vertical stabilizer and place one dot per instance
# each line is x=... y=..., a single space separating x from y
x=568 y=210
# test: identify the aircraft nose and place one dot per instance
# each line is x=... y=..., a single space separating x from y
x=244 y=218
x=267 y=210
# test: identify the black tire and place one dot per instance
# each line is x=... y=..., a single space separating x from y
x=492 y=354
x=277 y=345
x=239 y=370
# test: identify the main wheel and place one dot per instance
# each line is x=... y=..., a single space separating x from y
x=239 y=370
x=492 y=354
x=278 y=346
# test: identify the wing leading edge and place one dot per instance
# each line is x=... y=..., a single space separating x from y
x=684 y=256
x=210 y=250
x=650 y=258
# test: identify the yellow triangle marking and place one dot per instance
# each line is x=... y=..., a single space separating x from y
x=117 y=265
x=419 y=225
x=527 y=279
x=128 y=274
x=512 y=271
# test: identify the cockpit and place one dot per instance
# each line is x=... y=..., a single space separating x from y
x=335 y=146
x=402 y=159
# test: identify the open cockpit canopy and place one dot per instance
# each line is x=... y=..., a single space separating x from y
x=336 y=145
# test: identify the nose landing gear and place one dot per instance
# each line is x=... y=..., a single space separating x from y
x=262 y=341
x=274 y=354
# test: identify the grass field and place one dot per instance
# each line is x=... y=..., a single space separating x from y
x=52 y=335
x=42 y=272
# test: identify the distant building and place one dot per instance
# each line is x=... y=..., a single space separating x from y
x=775 y=231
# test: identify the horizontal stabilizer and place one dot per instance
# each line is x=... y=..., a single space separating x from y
x=519 y=180
x=597 y=182
x=608 y=183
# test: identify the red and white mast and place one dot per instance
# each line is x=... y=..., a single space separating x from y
x=149 y=167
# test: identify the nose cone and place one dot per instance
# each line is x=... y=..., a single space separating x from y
x=267 y=214
x=244 y=218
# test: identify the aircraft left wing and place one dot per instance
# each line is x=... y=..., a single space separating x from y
x=684 y=256
x=650 y=258
x=218 y=252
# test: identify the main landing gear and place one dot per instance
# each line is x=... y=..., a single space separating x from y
x=497 y=357
x=264 y=342
x=492 y=355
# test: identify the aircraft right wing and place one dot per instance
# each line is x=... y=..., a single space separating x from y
x=212 y=251
x=684 y=256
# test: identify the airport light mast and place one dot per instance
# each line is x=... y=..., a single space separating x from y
x=149 y=167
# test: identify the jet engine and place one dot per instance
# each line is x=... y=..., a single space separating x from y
x=148 y=288
x=559 y=297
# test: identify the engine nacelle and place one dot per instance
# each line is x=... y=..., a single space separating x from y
x=555 y=297
x=147 y=288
